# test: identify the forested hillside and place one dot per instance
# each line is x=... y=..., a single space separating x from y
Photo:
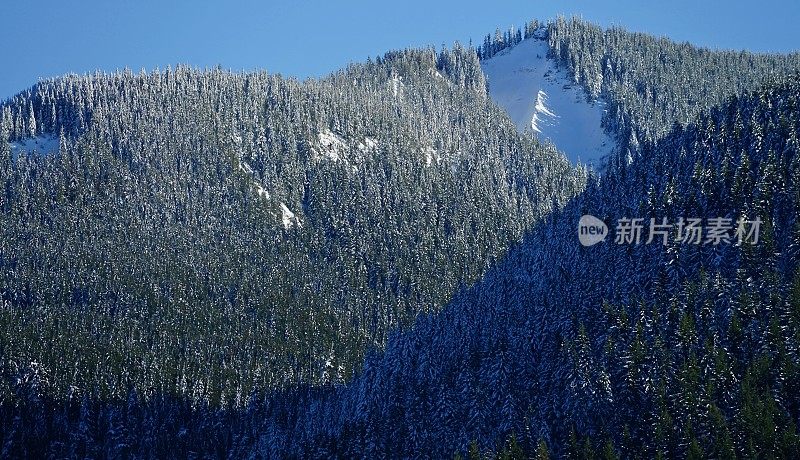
x=640 y=351
x=377 y=264
x=204 y=234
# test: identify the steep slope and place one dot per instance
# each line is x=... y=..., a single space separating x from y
x=593 y=91
x=546 y=101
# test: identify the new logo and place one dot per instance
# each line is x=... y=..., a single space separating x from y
x=591 y=230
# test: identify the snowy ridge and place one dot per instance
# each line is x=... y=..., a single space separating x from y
x=541 y=99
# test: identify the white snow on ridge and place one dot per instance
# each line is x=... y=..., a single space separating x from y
x=540 y=98
x=39 y=145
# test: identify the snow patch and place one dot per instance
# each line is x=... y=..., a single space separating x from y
x=540 y=98
x=397 y=85
x=261 y=191
x=431 y=155
x=369 y=144
x=39 y=145
x=245 y=168
x=288 y=218
x=542 y=115
x=331 y=146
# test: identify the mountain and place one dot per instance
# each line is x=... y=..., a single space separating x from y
x=384 y=262
x=208 y=234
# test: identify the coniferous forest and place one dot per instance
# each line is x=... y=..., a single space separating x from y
x=377 y=264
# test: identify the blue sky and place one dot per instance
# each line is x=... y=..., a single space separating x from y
x=44 y=38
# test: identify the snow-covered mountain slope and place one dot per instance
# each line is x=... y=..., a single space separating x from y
x=544 y=100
